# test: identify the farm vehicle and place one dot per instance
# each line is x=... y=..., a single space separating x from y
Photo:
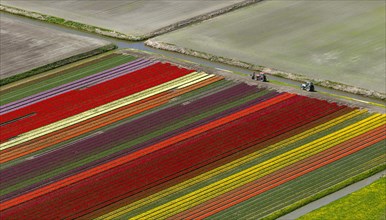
x=308 y=86
x=259 y=77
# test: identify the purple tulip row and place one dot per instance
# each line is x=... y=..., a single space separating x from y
x=84 y=82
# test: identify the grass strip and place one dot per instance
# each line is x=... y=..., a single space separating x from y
x=284 y=195
x=299 y=191
x=284 y=175
x=313 y=188
x=366 y=203
x=318 y=188
x=275 y=82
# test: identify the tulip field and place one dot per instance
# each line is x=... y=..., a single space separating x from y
x=149 y=139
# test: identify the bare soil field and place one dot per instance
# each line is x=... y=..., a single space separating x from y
x=332 y=42
x=24 y=46
x=136 y=19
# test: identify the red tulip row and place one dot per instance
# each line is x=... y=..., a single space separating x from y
x=283 y=175
x=144 y=194
x=77 y=101
x=174 y=160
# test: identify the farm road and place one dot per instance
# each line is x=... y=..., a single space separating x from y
x=332 y=197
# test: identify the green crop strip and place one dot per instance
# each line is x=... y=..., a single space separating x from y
x=244 y=166
x=307 y=185
x=32 y=89
x=313 y=193
x=70 y=166
x=183 y=98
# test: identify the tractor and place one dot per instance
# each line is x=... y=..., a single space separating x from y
x=259 y=77
x=308 y=86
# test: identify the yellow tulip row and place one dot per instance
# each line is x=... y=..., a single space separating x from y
x=173 y=84
x=248 y=175
x=231 y=165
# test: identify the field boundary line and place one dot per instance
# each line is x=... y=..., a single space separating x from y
x=325 y=192
x=137 y=154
